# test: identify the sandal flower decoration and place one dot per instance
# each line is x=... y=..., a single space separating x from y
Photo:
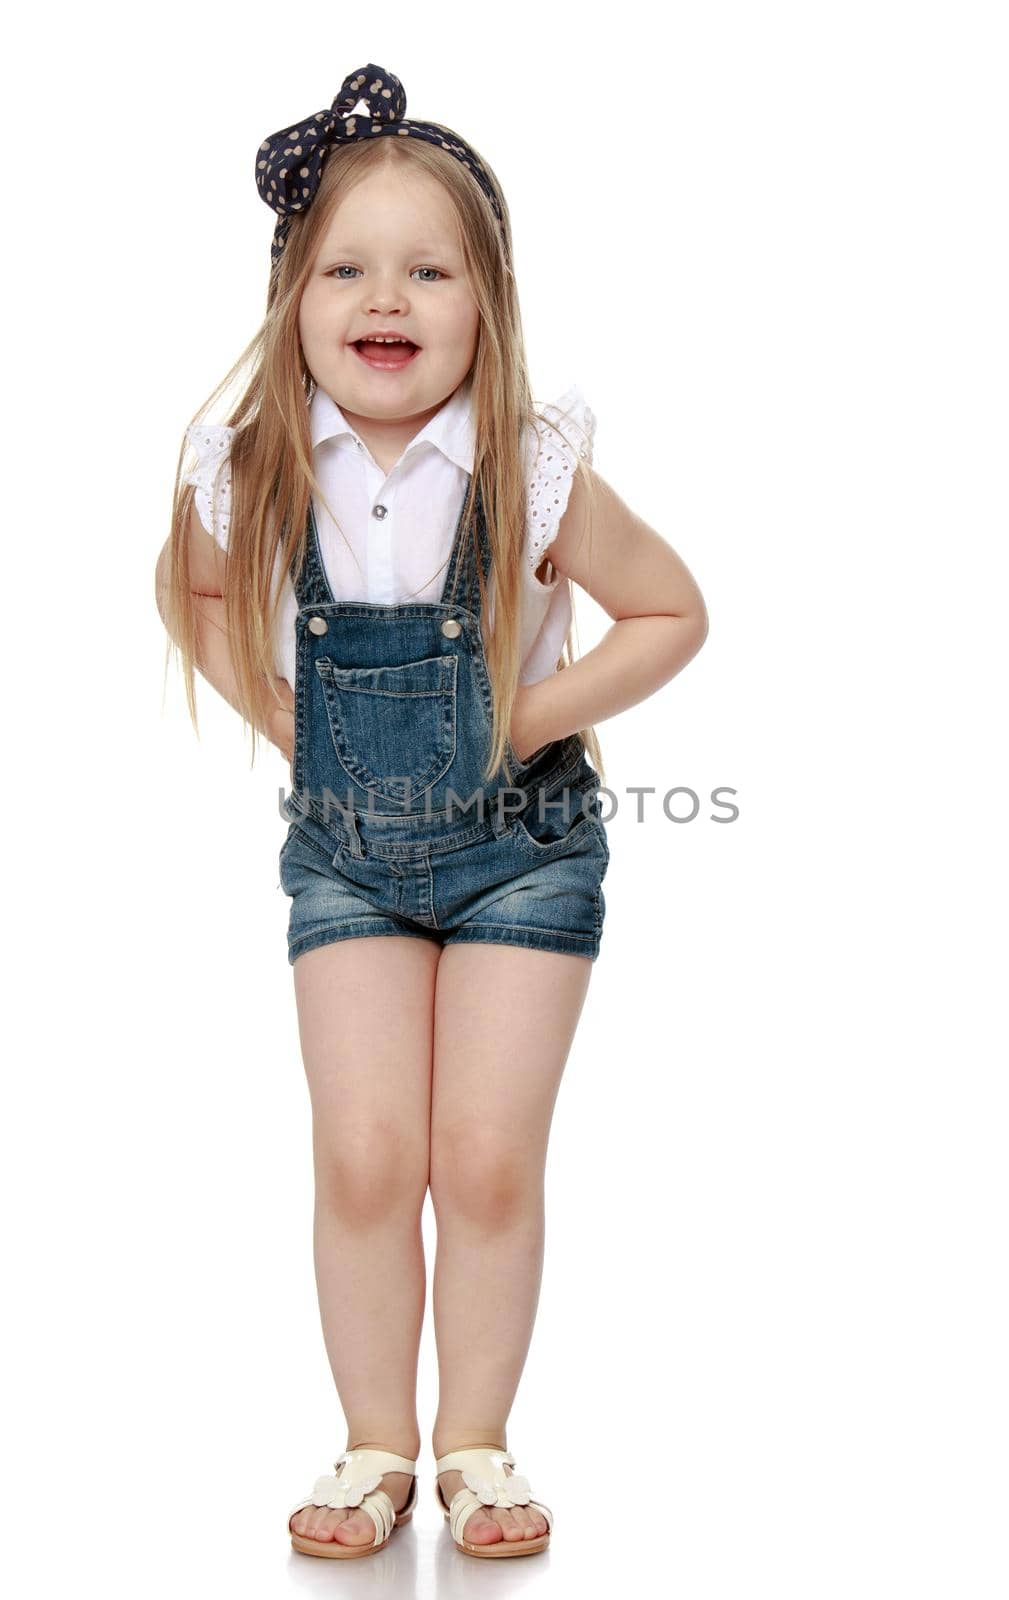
x=515 y=1489
x=339 y=1493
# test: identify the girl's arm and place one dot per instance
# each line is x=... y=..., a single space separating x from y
x=659 y=616
x=207 y=571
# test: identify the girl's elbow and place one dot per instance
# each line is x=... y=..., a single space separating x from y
x=693 y=625
x=684 y=636
x=162 y=579
x=700 y=621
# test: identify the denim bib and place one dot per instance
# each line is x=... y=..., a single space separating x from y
x=392 y=716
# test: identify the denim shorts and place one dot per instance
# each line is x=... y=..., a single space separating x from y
x=538 y=885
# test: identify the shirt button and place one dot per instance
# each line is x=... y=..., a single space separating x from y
x=451 y=629
x=318 y=625
x=380 y=511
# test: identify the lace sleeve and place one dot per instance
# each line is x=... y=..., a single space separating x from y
x=552 y=462
x=211 y=477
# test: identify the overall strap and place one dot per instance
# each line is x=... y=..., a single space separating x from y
x=311 y=585
x=461 y=585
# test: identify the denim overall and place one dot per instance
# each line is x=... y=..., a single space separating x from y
x=394 y=828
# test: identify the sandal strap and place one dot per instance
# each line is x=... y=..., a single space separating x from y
x=355 y=1486
x=478 y=1458
x=365 y=1462
x=486 y=1484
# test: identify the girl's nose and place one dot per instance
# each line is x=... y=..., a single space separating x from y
x=385 y=295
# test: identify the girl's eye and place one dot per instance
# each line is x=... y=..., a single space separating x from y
x=336 y=272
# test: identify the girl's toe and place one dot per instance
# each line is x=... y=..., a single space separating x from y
x=483 y=1530
x=352 y=1530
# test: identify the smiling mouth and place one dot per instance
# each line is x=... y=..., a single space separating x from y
x=386 y=357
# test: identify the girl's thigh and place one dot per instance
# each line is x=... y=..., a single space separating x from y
x=504 y=1021
x=366 y=1021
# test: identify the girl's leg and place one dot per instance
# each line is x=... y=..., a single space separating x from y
x=504 y=1022
x=365 y=1016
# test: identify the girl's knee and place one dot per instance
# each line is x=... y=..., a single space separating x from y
x=370 y=1173
x=484 y=1175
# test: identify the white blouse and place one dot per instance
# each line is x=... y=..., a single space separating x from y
x=400 y=553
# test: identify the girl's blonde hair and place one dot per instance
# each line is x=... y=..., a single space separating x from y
x=271 y=452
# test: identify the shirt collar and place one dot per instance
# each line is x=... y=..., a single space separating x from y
x=451 y=430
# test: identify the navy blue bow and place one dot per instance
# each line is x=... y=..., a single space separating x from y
x=289 y=163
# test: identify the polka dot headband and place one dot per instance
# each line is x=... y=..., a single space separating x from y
x=289 y=163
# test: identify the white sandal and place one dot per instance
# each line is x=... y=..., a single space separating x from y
x=357 y=1487
x=487 y=1484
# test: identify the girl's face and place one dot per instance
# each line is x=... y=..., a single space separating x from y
x=390 y=263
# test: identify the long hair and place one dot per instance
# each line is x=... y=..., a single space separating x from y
x=271 y=452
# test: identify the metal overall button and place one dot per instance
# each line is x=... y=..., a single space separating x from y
x=451 y=629
x=318 y=625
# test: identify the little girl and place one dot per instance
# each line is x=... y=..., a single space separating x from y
x=359 y=564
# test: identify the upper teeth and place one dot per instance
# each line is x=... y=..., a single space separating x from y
x=378 y=339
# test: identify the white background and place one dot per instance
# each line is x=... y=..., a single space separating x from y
x=769 y=242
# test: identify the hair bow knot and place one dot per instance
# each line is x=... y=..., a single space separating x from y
x=289 y=163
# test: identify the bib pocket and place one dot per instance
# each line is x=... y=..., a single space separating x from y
x=392 y=727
